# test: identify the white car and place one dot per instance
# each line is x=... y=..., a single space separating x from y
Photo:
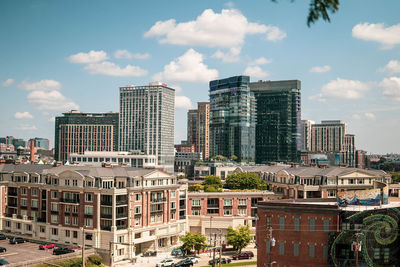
x=166 y=263
x=194 y=260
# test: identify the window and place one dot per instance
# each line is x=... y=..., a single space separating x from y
x=173 y=216
x=137 y=221
x=196 y=212
x=242 y=202
x=297 y=224
x=74 y=221
x=325 y=252
x=34 y=192
x=67 y=220
x=54 y=231
x=54 y=194
x=23 y=191
x=107 y=184
x=75 y=234
x=67 y=208
x=228 y=202
x=42 y=229
x=54 y=207
x=268 y=246
x=311 y=250
x=173 y=205
x=331 y=193
x=89 y=237
x=227 y=212
x=138 y=197
x=88 y=197
x=66 y=182
x=312 y=225
x=24 y=202
x=75 y=209
x=54 y=218
x=89 y=210
x=296 y=249
x=28 y=227
x=173 y=194
x=282 y=223
x=281 y=248
x=268 y=221
x=386 y=254
x=242 y=212
x=67 y=233
x=326 y=225
x=345 y=226
x=196 y=202
x=89 y=222
x=138 y=209
x=34 y=203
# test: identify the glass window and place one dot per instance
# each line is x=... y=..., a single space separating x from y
x=297 y=224
x=138 y=197
x=173 y=194
x=196 y=202
x=325 y=251
x=242 y=212
x=311 y=251
x=88 y=197
x=268 y=247
x=296 y=249
x=228 y=202
x=326 y=225
x=281 y=248
x=312 y=225
x=268 y=221
x=282 y=223
x=196 y=212
x=227 y=212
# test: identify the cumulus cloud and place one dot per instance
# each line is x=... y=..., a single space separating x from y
x=391 y=88
x=344 y=89
x=7 y=82
x=320 y=69
x=187 y=68
x=111 y=69
x=260 y=61
x=387 y=36
x=183 y=102
x=255 y=71
x=370 y=116
x=26 y=127
x=43 y=85
x=128 y=55
x=52 y=100
x=23 y=115
x=392 y=67
x=274 y=34
x=231 y=56
x=90 y=57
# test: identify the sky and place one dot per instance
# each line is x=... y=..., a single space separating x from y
x=61 y=55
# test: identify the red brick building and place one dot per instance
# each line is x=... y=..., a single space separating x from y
x=295 y=233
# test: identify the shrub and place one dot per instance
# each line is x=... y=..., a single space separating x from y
x=95 y=259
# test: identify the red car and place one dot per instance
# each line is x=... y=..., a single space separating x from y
x=242 y=255
x=47 y=246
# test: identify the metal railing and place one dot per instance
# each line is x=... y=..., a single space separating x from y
x=158 y=200
x=70 y=200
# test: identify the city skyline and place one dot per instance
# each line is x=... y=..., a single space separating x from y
x=61 y=56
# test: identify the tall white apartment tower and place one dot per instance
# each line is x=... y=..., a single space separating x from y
x=306 y=134
x=146 y=121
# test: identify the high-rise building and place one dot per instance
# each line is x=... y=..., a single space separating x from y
x=306 y=134
x=349 y=150
x=232 y=118
x=278 y=120
x=198 y=128
x=42 y=143
x=147 y=121
x=77 y=132
x=19 y=142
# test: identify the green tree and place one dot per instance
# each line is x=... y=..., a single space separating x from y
x=193 y=241
x=243 y=180
x=396 y=177
x=320 y=8
x=239 y=238
x=196 y=188
x=234 y=158
x=212 y=180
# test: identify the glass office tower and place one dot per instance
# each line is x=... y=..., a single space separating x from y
x=232 y=118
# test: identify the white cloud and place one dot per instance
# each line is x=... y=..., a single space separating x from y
x=231 y=56
x=7 y=82
x=391 y=88
x=392 y=67
x=255 y=71
x=369 y=115
x=26 y=127
x=43 y=85
x=274 y=33
x=344 y=89
x=111 y=69
x=23 y=115
x=187 y=68
x=319 y=97
x=86 y=58
x=52 y=100
x=261 y=61
x=356 y=117
x=387 y=36
x=320 y=69
x=183 y=102
x=129 y=55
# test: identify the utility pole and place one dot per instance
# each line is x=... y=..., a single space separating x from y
x=357 y=246
x=210 y=230
x=111 y=253
x=215 y=244
x=83 y=246
x=220 y=248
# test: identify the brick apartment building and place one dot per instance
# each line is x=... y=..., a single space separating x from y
x=143 y=208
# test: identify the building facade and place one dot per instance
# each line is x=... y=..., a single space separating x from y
x=198 y=128
x=232 y=118
x=278 y=129
x=185 y=162
x=306 y=135
x=127 y=210
x=43 y=143
x=147 y=121
x=77 y=132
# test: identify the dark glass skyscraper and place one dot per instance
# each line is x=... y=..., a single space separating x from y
x=232 y=118
x=278 y=120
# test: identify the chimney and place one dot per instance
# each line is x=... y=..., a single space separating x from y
x=32 y=147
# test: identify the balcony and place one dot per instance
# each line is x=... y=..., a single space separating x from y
x=106 y=202
x=24 y=207
x=54 y=212
x=67 y=213
x=75 y=213
x=13 y=194
x=121 y=215
x=105 y=227
x=182 y=207
x=216 y=205
x=156 y=211
x=9 y=215
x=88 y=215
x=43 y=220
x=12 y=205
x=34 y=208
x=122 y=202
x=158 y=200
x=106 y=216
x=19 y=217
x=119 y=227
x=70 y=200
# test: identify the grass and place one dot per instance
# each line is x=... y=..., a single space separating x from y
x=238 y=264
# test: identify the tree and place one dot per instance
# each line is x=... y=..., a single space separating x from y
x=396 y=177
x=243 y=180
x=234 y=158
x=212 y=180
x=193 y=241
x=239 y=238
x=196 y=188
x=320 y=8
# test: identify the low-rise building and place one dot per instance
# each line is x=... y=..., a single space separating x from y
x=127 y=210
x=218 y=169
x=185 y=162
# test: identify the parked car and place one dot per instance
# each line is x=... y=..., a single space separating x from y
x=193 y=259
x=166 y=263
x=216 y=261
x=59 y=251
x=150 y=253
x=47 y=246
x=241 y=256
x=184 y=263
x=3 y=262
x=176 y=252
x=16 y=240
x=3 y=237
x=3 y=249
x=251 y=254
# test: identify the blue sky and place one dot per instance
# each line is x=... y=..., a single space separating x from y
x=62 y=55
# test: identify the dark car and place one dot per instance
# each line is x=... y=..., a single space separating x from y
x=59 y=251
x=3 y=262
x=3 y=249
x=16 y=240
x=184 y=263
x=251 y=254
x=241 y=256
x=3 y=237
x=216 y=261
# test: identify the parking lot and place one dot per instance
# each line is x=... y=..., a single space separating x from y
x=19 y=253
